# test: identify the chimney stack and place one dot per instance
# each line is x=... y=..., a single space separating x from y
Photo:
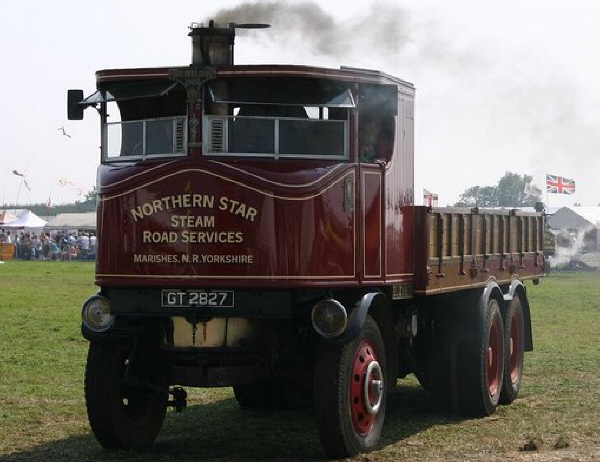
x=212 y=46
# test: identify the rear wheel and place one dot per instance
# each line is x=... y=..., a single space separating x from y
x=122 y=415
x=350 y=393
x=481 y=369
x=514 y=348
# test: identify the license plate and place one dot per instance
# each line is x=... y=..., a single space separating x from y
x=181 y=298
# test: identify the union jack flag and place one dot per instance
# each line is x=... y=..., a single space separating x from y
x=559 y=185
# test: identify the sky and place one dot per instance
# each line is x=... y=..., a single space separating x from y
x=502 y=87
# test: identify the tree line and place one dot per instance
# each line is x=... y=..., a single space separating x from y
x=512 y=190
x=88 y=204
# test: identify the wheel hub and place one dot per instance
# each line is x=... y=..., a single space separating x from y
x=515 y=349
x=493 y=358
x=367 y=388
x=373 y=392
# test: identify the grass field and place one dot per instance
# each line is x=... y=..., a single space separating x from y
x=43 y=418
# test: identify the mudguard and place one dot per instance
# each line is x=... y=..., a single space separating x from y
x=517 y=289
x=492 y=290
x=357 y=316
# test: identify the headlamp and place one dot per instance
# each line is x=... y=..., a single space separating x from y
x=95 y=314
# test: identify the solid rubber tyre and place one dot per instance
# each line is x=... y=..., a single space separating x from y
x=121 y=416
x=514 y=349
x=481 y=359
x=350 y=393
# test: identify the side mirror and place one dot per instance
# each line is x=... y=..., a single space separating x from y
x=74 y=109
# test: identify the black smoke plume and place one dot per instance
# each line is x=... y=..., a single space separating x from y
x=380 y=29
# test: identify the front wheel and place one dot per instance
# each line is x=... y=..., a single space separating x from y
x=350 y=393
x=123 y=414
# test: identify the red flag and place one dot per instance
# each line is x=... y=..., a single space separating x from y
x=429 y=199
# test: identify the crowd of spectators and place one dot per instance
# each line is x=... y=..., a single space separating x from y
x=51 y=245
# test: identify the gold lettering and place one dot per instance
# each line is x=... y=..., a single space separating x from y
x=147 y=208
x=233 y=204
x=212 y=237
x=241 y=210
x=171 y=202
x=237 y=208
x=251 y=213
x=191 y=221
x=159 y=237
x=157 y=205
x=137 y=213
x=223 y=203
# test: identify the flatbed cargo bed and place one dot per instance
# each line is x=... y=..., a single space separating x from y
x=460 y=248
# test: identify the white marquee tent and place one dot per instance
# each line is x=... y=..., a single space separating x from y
x=6 y=217
x=67 y=221
x=28 y=219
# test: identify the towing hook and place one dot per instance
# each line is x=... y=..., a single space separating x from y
x=179 y=401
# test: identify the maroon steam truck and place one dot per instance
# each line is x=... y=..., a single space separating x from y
x=257 y=230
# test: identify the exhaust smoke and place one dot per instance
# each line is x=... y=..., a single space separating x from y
x=380 y=30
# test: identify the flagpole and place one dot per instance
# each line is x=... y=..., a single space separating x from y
x=547 y=196
x=19 y=193
x=4 y=191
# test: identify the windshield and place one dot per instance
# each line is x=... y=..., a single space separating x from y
x=269 y=117
x=250 y=117
x=143 y=120
x=145 y=138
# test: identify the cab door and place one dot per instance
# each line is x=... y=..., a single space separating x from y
x=371 y=199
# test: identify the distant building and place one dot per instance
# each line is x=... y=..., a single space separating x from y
x=577 y=228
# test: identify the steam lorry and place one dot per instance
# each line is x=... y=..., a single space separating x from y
x=257 y=229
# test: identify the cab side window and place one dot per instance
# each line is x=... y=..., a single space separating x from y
x=377 y=123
